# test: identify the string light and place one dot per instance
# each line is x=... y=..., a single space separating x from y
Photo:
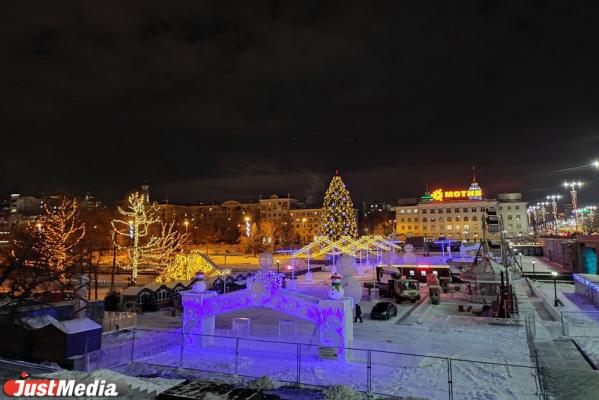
x=185 y=266
x=60 y=231
x=155 y=252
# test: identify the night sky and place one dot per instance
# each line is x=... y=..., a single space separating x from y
x=213 y=100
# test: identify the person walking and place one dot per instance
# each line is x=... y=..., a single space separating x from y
x=358 y=315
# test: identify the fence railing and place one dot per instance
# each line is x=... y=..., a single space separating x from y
x=374 y=371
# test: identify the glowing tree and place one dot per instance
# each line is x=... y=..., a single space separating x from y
x=169 y=244
x=59 y=232
x=338 y=217
x=185 y=266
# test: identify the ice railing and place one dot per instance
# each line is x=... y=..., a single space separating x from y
x=385 y=373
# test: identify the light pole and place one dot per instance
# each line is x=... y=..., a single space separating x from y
x=186 y=223
x=555 y=301
x=304 y=229
x=541 y=206
x=573 y=193
x=554 y=198
x=248 y=229
x=592 y=210
x=533 y=271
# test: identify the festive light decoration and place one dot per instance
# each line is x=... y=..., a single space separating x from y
x=346 y=245
x=152 y=251
x=60 y=231
x=337 y=218
x=185 y=266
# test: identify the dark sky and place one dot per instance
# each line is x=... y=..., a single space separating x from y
x=211 y=100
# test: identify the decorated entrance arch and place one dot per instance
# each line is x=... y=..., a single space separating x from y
x=333 y=317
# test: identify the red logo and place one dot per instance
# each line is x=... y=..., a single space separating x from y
x=58 y=388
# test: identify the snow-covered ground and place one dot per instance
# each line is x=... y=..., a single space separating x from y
x=426 y=335
x=427 y=332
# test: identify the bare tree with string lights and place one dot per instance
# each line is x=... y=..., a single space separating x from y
x=148 y=247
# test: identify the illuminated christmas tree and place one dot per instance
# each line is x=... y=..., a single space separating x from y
x=338 y=216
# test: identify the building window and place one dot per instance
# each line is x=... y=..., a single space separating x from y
x=415 y=211
x=465 y=209
x=474 y=218
x=402 y=211
x=433 y=219
x=423 y=211
x=466 y=227
x=517 y=207
x=465 y=219
x=403 y=227
x=517 y=218
x=448 y=227
x=448 y=210
x=509 y=208
x=448 y=219
x=423 y=219
x=457 y=210
x=440 y=211
x=402 y=219
x=432 y=210
x=415 y=219
x=409 y=219
x=509 y=217
x=473 y=209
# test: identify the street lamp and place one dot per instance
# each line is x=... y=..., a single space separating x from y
x=555 y=301
x=533 y=271
x=186 y=223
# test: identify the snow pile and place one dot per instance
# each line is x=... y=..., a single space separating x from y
x=341 y=392
x=264 y=383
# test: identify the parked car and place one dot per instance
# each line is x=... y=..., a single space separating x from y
x=383 y=311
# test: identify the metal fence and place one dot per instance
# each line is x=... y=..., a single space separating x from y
x=378 y=372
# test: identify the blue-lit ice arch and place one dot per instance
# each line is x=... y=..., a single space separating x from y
x=333 y=317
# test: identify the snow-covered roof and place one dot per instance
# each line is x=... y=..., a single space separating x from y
x=132 y=290
x=79 y=325
x=154 y=286
x=485 y=271
x=68 y=326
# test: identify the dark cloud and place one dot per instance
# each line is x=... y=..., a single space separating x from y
x=223 y=99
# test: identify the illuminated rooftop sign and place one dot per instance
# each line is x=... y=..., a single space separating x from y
x=470 y=194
